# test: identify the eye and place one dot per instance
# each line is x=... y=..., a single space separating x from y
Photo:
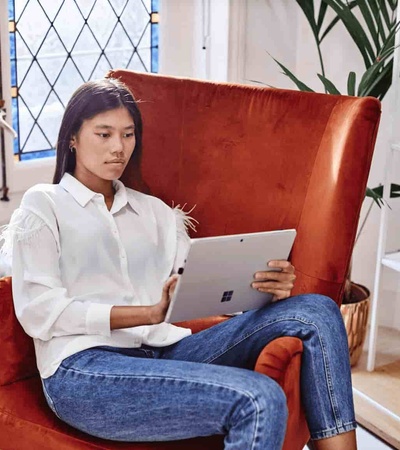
x=129 y=135
x=103 y=135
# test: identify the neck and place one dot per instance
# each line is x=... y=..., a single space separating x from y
x=96 y=184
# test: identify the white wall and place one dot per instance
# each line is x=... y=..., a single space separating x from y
x=194 y=38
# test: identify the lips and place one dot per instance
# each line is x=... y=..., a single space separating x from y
x=117 y=161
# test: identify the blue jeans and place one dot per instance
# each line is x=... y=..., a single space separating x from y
x=204 y=384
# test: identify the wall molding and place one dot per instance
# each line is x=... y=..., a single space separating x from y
x=237 y=40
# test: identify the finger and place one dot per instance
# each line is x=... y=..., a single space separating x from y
x=277 y=293
x=281 y=295
x=171 y=280
x=286 y=266
x=284 y=286
x=274 y=276
x=165 y=297
x=172 y=288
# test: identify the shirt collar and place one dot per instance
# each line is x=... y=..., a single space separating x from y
x=83 y=194
x=122 y=197
x=79 y=191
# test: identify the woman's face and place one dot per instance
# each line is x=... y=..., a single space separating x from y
x=104 y=144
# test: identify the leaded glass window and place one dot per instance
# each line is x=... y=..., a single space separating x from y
x=56 y=45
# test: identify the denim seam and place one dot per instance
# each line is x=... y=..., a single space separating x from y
x=326 y=365
x=50 y=400
x=186 y=380
x=330 y=432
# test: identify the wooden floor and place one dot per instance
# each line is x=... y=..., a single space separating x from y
x=377 y=394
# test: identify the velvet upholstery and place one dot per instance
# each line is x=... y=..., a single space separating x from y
x=17 y=352
x=251 y=159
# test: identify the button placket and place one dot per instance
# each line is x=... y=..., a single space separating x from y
x=113 y=227
x=122 y=254
x=124 y=271
x=124 y=262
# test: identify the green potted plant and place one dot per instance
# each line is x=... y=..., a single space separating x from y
x=374 y=35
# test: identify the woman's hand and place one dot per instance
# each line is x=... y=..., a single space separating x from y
x=159 y=310
x=135 y=316
x=279 y=283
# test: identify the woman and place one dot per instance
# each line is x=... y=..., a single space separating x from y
x=94 y=266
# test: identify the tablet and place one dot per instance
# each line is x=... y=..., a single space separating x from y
x=218 y=272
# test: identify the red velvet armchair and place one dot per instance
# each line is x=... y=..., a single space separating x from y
x=251 y=159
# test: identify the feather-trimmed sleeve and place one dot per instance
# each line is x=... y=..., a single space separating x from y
x=184 y=222
x=24 y=227
x=42 y=302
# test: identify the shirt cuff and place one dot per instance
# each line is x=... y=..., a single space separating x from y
x=98 y=319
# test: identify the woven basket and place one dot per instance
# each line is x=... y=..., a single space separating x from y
x=355 y=317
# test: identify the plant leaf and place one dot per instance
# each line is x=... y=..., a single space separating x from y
x=390 y=39
x=370 y=75
x=321 y=16
x=372 y=80
x=377 y=193
x=351 y=84
x=366 y=13
x=381 y=83
x=308 y=8
x=355 y=29
x=329 y=86
x=263 y=84
x=300 y=85
x=385 y=13
x=351 y=4
x=392 y=4
x=380 y=15
x=377 y=197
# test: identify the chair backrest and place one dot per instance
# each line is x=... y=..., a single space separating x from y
x=251 y=159
x=256 y=159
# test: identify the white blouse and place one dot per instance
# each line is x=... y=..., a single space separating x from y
x=73 y=259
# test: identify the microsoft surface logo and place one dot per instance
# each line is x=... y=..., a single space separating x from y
x=226 y=296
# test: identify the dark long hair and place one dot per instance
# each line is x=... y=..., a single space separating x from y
x=90 y=99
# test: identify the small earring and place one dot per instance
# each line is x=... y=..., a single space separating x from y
x=72 y=149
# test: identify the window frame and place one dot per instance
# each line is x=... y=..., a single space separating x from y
x=21 y=175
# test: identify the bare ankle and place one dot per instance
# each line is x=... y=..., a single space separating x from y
x=344 y=441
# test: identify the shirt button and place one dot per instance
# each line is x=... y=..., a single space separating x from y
x=115 y=231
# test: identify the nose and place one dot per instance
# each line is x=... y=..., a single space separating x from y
x=118 y=146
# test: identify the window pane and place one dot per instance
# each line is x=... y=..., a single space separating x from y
x=56 y=45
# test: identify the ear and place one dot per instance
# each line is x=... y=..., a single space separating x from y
x=72 y=141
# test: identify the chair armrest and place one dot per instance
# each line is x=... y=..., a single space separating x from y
x=281 y=360
x=197 y=325
x=276 y=357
